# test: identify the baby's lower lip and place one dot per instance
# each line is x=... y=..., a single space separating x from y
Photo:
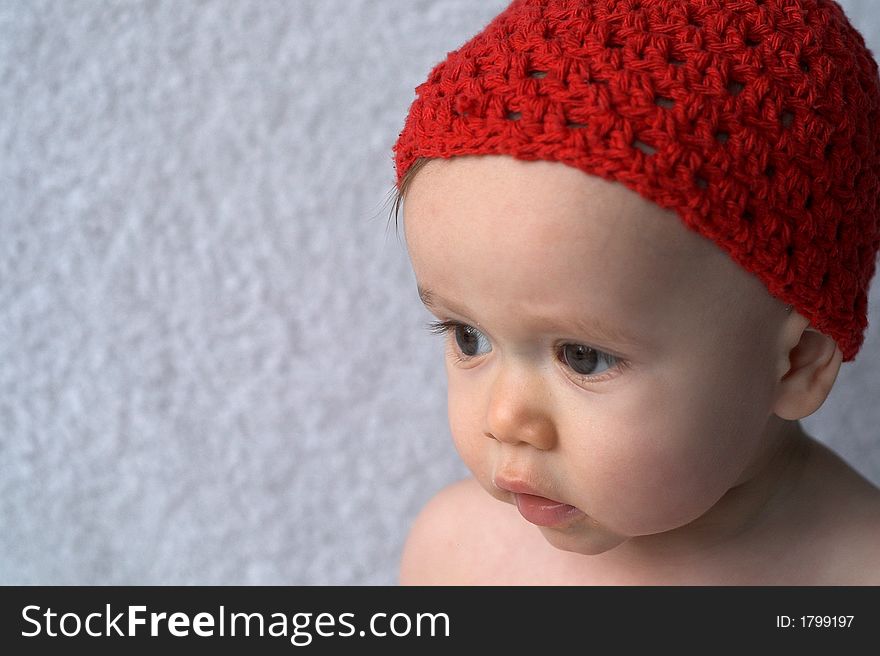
x=545 y=512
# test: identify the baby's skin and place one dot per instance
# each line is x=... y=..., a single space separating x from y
x=626 y=396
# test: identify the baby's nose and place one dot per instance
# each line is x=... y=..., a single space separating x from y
x=520 y=412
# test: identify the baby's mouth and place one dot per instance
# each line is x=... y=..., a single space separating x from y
x=546 y=512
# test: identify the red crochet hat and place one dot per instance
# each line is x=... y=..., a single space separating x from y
x=758 y=122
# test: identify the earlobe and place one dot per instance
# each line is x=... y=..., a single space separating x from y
x=813 y=365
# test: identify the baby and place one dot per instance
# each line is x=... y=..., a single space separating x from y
x=647 y=230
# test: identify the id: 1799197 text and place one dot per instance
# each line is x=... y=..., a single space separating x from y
x=814 y=621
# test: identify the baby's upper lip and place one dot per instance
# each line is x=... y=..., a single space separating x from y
x=519 y=485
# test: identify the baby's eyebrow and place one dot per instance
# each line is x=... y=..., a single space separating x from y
x=583 y=325
x=426 y=296
x=432 y=301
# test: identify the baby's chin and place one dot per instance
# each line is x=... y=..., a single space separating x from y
x=583 y=538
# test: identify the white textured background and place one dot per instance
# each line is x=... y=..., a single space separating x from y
x=212 y=362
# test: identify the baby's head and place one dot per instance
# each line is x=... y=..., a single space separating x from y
x=647 y=228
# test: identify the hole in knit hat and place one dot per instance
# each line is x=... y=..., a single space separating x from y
x=787 y=119
x=805 y=65
x=464 y=105
x=751 y=42
x=734 y=88
x=514 y=116
x=575 y=125
x=537 y=74
x=702 y=183
x=770 y=171
x=662 y=101
x=722 y=137
x=676 y=62
x=645 y=148
x=808 y=203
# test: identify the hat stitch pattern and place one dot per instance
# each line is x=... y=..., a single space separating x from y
x=757 y=121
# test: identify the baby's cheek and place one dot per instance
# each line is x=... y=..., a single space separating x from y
x=465 y=425
x=630 y=484
x=652 y=466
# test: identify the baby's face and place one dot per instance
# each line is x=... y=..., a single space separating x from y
x=599 y=354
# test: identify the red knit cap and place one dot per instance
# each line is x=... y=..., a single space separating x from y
x=758 y=122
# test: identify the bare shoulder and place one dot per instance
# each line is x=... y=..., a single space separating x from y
x=847 y=510
x=454 y=536
x=858 y=549
x=853 y=555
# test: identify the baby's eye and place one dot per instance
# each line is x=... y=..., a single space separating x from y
x=470 y=341
x=583 y=360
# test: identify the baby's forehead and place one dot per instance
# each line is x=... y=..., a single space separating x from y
x=540 y=221
x=537 y=200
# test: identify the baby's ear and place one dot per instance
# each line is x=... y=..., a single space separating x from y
x=812 y=366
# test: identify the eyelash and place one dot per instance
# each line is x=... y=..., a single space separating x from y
x=445 y=328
